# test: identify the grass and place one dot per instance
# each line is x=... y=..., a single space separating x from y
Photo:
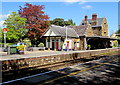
x=7 y=43
x=107 y=53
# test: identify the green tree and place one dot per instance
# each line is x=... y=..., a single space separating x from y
x=1 y=35
x=62 y=22
x=16 y=27
x=70 y=22
x=58 y=22
x=118 y=31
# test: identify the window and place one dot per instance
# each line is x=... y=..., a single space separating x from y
x=82 y=23
x=93 y=28
x=48 y=40
x=104 y=33
x=57 y=40
x=99 y=29
x=78 y=44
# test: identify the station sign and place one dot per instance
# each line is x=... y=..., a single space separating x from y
x=5 y=30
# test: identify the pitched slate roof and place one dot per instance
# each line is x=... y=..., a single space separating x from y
x=98 y=24
x=61 y=31
x=80 y=30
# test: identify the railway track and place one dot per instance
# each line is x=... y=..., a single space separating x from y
x=51 y=76
x=39 y=70
x=15 y=74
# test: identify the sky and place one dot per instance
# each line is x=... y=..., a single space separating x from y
x=70 y=10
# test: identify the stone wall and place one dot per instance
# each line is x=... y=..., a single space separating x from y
x=104 y=27
x=89 y=31
x=81 y=43
x=97 y=31
x=39 y=61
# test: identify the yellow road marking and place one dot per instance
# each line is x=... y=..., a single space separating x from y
x=49 y=81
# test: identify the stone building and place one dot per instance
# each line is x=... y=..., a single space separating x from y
x=70 y=37
x=93 y=32
x=99 y=25
x=83 y=31
x=61 y=38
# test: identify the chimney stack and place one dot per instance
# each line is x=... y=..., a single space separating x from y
x=94 y=17
x=86 y=18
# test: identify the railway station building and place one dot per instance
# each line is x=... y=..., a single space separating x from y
x=92 y=32
x=58 y=38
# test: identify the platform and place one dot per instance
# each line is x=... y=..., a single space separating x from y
x=35 y=54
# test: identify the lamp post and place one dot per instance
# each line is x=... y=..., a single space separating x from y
x=66 y=32
x=66 y=40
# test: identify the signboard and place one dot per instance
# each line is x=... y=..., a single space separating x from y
x=67 y=47
x=5 y=30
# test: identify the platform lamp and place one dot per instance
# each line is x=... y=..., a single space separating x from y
x=66 y=38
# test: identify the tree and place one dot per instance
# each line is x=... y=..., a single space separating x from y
x=58 y=22
x=37 y=21
x=16 y=27
x=70 y=22
x=1 y=35
x=62 y=22
x=118 y=31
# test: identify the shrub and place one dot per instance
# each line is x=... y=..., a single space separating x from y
x=27 y=42
x=7 y=44
x=41 y=45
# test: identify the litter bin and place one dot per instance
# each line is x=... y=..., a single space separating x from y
x=12 y=49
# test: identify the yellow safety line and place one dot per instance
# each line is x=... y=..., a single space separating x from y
x=49 y=81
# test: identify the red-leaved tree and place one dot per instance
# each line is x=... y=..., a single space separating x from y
x=37 y=21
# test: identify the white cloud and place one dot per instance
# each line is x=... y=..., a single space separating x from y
x=86 y=0
x=82 y=2
x=1 y=23
x=72 y=1
x=57 y=0
x=87 y=7
x=4 y=16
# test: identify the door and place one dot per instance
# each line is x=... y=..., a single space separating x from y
x=57 y=45
x=53 y=44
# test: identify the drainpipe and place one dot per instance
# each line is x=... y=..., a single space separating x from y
x=85 y=43
x=48 y=43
